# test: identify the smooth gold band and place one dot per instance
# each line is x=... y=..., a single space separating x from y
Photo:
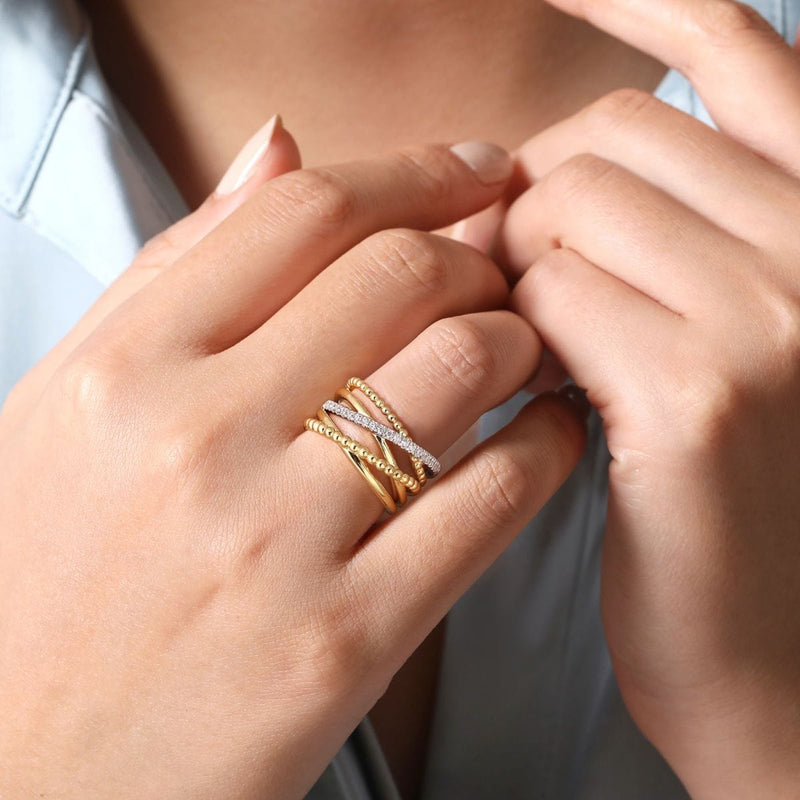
x=326 y=426
x=398 y=489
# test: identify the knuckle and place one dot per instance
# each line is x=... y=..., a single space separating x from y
x=578 y=178
x=428 y=167
x=505 y=490
x=750 y=375
x=175 y=460
x=410 y=258
x=327 y=198
x=86 y=389
x=156 y=252
x=459 y=348
x=618 y=108
x=751 y=370
x=722 y=22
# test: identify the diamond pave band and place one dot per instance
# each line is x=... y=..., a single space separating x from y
x=433 y=467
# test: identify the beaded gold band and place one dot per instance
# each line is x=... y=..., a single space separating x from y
x=398 y=489
x=432 y=467
x=363 y=458
x=326 y=426
x=419 y=467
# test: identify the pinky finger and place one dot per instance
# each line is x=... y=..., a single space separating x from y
x=419 y=563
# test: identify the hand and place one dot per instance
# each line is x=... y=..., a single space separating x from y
x=660 y=262
x=195 y=597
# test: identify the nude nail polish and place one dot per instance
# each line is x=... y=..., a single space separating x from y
x=490 y=163
x=245 y=163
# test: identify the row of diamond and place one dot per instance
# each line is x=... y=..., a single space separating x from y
x=391 y=435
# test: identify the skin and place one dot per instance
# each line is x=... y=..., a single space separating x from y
x=205 y=80
x=700 y=406
x=530 y=66
x=194 y=636
x=702 y=548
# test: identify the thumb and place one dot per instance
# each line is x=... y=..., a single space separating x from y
x=270 y=152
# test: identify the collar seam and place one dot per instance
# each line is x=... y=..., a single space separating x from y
x=15 y=203
x=108 y=120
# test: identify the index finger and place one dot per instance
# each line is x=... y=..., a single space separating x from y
x=744 y=71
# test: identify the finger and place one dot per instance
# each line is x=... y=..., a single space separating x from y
x=438 y=386
x=717 y=177
x=270 y=152
x=740 y=66
x=365 y=308
x=479 y=230
x=585 y=316
x=415 y=566
x=259 y=258
x=629 y=228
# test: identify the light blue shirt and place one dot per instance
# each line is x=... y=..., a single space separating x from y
x=527 y=703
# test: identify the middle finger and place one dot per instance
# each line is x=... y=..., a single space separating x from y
x=263 y=255
x=362 y=310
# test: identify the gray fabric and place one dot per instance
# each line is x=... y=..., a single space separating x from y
x=527 y=705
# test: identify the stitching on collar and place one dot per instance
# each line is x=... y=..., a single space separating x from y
x=16 y=202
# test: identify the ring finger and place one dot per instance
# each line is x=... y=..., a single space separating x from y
x=438 y=385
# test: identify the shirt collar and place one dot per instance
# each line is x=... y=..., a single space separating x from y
x=42 y=47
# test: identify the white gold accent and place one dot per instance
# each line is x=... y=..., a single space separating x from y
x=433 y=467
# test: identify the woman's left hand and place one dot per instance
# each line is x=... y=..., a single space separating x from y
x=666 y=278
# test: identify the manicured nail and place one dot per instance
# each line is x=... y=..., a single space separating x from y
x=244 y=165
x=577 y=397
x=490 y=163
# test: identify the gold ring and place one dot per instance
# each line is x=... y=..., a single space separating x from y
x=363 y=459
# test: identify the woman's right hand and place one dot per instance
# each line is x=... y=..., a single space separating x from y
x=195 y=597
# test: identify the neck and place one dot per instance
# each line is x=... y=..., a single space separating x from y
x=351 y=78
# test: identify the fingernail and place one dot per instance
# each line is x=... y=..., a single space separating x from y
x=490 y=163
x=577 y=397
x=244 y=165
